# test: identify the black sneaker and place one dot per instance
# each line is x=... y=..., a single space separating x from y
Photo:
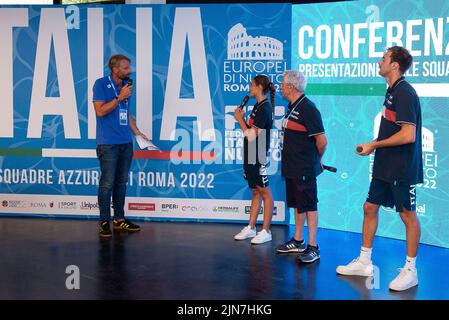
x=105 y=230
x=125 y=225
x=310 y=255
x=292 y=245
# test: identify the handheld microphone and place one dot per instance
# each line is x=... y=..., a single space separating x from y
x=129 y=82
x=245 y=100
x=329 y=168
x=359 y=149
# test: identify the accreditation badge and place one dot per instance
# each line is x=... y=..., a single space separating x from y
x=123 y=117
x=281 y=134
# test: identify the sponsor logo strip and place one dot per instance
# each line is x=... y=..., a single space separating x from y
x=207 y=209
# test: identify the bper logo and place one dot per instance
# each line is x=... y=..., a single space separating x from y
x=169 y=206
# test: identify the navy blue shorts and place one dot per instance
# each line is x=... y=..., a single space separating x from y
x=392 y=195
x=256 y=175
x=302 y=194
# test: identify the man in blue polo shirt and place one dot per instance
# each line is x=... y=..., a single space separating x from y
x=111 y=99
x=397 y=168
x=303 y=143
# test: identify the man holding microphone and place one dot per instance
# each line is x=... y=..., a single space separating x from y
x=111 y=95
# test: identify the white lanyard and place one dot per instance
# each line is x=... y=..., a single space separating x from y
x=123 y=112
x=284 y=123
x=115 y=91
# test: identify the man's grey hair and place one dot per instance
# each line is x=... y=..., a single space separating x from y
x=296 y=79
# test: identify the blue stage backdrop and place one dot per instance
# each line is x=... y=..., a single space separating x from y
x=193 y=66
x=337 y=46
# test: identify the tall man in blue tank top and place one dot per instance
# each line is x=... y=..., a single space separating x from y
x=111 y=99
x=397 y=168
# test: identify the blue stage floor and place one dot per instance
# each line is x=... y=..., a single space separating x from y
x=200 y=261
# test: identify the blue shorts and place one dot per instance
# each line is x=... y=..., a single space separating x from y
x=256 y=176
x=389 y=194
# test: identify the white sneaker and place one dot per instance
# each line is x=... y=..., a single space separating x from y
x=406 y=279
x=262 y=237
x=356 y=268
x=245 y=233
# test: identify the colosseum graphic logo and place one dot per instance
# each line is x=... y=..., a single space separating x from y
x=430 y=162
x=248 y=56
x=241 y=46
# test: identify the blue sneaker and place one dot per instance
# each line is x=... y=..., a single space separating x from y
x=310 y=255
x=292 y=246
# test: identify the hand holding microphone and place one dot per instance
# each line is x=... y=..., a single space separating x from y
x=239 y=114
x=364 y=149
x=127 y=90
x=244 y=101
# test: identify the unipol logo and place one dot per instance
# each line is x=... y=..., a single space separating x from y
x=241 y=46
